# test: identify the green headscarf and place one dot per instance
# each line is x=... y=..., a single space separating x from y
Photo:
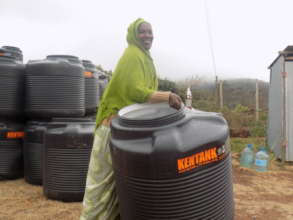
x=134 y=78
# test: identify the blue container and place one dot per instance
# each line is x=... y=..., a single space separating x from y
x=261 y=160
x=246 y=159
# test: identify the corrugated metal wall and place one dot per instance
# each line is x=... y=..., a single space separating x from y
x=289 y=110
x=274 y=131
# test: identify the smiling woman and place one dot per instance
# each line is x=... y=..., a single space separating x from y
x=134 y=81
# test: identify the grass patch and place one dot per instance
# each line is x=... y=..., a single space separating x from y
x=238 y=144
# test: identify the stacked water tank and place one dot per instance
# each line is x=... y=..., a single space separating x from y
x=92 y=87
x=103 y=81
x=60 y=92
x=52 y=103
x=11 y=112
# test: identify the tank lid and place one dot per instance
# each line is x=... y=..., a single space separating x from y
x=149 y=115
x=6 y=56
x=12 y=48
x=88 y=64
x=70 y=58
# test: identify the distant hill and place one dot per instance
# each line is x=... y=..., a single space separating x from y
x=236 y=91
x=242 y=91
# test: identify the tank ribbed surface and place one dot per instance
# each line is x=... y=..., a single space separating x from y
x=92 y=87
x=66 y=171
x=11 y=87
x=33 y=149
x=206 y=194
x=33 y=154
x=67 y=152
x=11 y=160
x=91 y=94
x=54 y=88
x=103 y=82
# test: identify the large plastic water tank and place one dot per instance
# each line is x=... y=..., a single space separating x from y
x=11 y=163
x=11 y=86
x=68 y=144
x=171 y=164
x=33 y=149
x=15 y=52
x=103 y=82
x=54 y=88
x=92 y=87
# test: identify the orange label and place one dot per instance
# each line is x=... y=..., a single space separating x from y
x=88 y=74
x=2 y=54
x=15 y=134
x=198 y=159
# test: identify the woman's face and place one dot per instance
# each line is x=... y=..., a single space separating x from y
x=145 y=35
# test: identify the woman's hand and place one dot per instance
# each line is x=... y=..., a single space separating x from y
x=175 y=101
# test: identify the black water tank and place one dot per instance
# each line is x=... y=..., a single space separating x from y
x=33 y=149
x=68 y=144
x=15 y=52
x=171 y=164
x=92 y=87
x=103 y=82
x=11 y=86
x=54 y=88
x=11 y=162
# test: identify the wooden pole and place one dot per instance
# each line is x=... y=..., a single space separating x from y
x=256 y=101
x=221 y=94
x=216 y=92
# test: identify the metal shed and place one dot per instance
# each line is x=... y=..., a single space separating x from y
x=280 y=115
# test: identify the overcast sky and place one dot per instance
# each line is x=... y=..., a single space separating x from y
x=246 y=34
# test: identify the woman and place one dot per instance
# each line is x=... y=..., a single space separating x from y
x=134 y=81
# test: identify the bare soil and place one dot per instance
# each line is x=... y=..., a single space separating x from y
x=266 y=195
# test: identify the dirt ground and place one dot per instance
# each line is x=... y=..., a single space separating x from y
x=257 y=196
x=266 y=195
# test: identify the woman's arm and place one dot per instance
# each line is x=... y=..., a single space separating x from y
x=173 y=99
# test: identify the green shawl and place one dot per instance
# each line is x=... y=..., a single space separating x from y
x=133 y=80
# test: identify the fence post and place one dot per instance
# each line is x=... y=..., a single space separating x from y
x=221 y=95
x=256 y=101
x=216 y=92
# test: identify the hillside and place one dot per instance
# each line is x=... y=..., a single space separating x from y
x=235 y=91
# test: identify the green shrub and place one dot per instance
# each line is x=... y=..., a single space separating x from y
x=240 y=108
x=258 y=131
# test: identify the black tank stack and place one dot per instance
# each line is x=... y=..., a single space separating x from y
x=92 y=87
x=11 y=112
x=59 y=136
x=171 y=164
